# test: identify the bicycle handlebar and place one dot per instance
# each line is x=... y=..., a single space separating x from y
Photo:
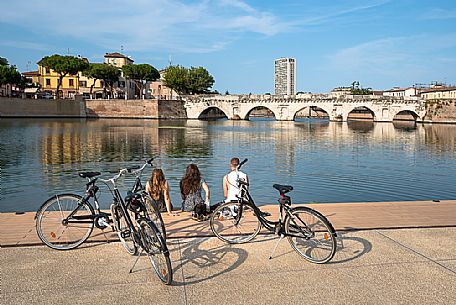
x=242 y=163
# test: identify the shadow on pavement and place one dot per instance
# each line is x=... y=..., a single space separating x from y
x=350 y=248
x=203 y=259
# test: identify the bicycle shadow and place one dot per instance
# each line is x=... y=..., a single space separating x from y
x=350 y=247
x=202 y=259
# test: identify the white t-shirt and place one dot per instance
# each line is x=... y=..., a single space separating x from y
x=233 y=189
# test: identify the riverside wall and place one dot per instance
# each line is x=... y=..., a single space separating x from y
x=18 y=107
x=136 y=109
x=440 y=111
x=79 y=108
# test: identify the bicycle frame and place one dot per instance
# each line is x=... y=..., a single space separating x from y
x=276 y=227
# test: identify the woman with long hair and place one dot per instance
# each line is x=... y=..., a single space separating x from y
x=158 y=189
x=191 y=186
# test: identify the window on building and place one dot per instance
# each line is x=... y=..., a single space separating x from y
x=71 y=82
x=82 y=83
x=48 y=70
x=114 y=60
x=121 y=84
x=48 y=82
x=101 y=84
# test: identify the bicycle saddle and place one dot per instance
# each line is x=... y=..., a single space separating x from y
x=89 y=174
x=283 y=189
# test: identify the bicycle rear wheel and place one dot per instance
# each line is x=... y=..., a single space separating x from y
x=123 y=230
x=154 y=214
x=312 y=235
x=235 y=223
x=64 y=221
x=156 y=249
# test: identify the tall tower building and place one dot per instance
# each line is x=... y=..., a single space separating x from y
x=285 y=76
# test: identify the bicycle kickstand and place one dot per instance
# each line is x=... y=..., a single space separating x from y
x=273 y=251
x=136 y=260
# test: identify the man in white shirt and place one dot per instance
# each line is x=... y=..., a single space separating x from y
x=230 y=186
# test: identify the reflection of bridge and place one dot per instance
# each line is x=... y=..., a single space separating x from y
x=383 y=108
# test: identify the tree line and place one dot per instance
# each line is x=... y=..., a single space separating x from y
x=180 y=79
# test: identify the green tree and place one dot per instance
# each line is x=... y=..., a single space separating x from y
x=9 y=74
x=63 y=65
x=357 y=90
x=176 y=79
x=199 y=80
x=140 y=74
x=108 y=73
x=3 y=61
x=188 y=81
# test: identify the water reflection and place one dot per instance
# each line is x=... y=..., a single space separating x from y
x=325 y=161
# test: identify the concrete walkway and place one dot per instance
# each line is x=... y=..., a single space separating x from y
x=19 y=230
x=407 y=266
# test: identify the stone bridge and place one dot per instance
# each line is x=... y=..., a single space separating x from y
x=382 y=108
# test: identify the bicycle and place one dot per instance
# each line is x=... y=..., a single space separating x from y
x=309 y=233
x=65 y=221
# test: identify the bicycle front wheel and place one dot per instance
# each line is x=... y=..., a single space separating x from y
x=154 y=214
x=123 y=230
x=235 y=223
x=64 y=221
x=157 y=251
x=310 y=234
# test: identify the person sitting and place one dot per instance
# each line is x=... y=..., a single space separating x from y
x=230 y=181
x=158 y=189
x=191 y=186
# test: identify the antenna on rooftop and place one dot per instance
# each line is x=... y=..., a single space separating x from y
x=169 y=61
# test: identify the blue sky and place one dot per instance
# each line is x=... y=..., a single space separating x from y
x=379 y=43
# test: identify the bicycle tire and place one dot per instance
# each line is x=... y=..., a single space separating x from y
x=313 y=235
x=227 y=226
x=156 y=249
x=51 y=225
x=154 y=213
x=123 y=230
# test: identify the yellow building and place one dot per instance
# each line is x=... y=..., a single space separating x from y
x=439 y=92
x=48 y=82
x=122 y=89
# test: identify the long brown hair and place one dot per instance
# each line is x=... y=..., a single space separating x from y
x=157 y=183
x=191 y=180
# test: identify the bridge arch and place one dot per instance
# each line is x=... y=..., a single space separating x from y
x=267 y=110
x=406 y=115
x=361 y=113
x=311 y=112
x=212 y=112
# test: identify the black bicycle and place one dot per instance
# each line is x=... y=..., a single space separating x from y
x=309 y=232
x=65 y=221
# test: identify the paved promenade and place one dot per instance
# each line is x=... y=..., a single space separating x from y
x=19 y=230
x=376 y=263
x=408 y=266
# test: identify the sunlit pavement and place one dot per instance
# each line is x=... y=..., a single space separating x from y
x=406 y=266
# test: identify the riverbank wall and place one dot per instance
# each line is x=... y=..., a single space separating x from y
x=136 y=109
x=17 y=107
x=79 y=108
x=440 y=111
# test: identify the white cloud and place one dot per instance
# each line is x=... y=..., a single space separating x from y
x=201 y=26
x=411 y=58
x=24 y=45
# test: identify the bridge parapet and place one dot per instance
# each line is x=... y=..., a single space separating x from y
x=384 y=108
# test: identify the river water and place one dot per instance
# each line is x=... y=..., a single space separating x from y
x=324 y=161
